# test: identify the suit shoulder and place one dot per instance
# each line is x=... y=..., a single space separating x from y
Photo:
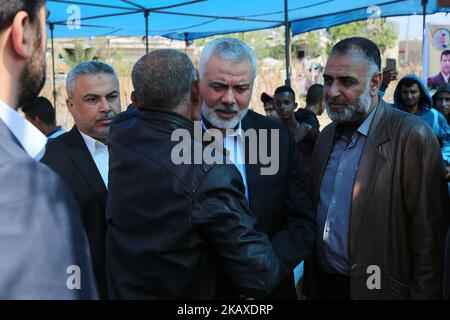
x=65 y=138
x=31 y=176
x=39 y=170
x=54 y=150
x=262 y=122
x=327 y=128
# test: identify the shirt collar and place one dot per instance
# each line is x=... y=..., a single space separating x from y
x=57 y=128
x=446 y=77
x=30 y=138
x=365 y=126
x=93 y=144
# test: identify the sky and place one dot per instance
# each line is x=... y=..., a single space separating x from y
x=415 y=24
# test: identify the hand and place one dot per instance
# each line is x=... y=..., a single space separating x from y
x=388 y=76
x=447 y=173
x=301 y=131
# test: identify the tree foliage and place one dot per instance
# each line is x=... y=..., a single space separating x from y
x=316 y=43
x=379 y=31
x=78 y=54
x=97 y=50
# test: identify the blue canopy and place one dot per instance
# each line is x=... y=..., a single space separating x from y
x=189 y=20
x=194 y=19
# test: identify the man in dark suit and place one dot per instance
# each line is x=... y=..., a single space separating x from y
x=80 y=156
x=43 y=248
x=276 y=188
x=442 y=77
x=378 y=188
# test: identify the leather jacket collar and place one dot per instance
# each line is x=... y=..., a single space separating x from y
x=165 y=119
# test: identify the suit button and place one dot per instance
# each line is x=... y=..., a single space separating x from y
x=354 y=267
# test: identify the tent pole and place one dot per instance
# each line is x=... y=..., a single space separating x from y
x=186 y=42
x=52 y=27
x=424 y=4
x=287 y=48
x=146 y=14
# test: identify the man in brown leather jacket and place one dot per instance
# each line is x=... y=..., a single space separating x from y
x=378 y=191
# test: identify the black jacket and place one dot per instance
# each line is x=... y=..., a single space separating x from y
x=281 y=202
x=173 y=229
x=306 y=146
x=69 y=157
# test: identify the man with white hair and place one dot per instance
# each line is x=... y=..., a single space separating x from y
x=280 y=201
x=378 y=189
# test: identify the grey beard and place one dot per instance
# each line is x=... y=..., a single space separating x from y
x=211 y=116
x=354 y=113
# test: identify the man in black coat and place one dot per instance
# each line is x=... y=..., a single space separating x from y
x=80 y=156
x=176 y=221
x=276 y=186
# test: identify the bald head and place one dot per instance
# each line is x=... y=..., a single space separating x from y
x=163 y=79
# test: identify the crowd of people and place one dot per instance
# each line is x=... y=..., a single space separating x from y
x=104 y=211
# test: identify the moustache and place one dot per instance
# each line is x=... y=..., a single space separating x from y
x=330 y=101
x=110 y=117
x=226 y=108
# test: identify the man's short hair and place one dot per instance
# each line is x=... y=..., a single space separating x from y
x=314 y=95
x=408 y=83
x=40 y=108
x=163 y=79
x=87 y=68
x=282 y=89
x=9 y=9
x=446 y=52
x=231 y=49
x=363 y=46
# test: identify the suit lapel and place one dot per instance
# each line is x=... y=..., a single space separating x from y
x=82 y=159
x=252 y=170
x=368 y=170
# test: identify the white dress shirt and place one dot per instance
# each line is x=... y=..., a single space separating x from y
x=446 y=77
x=234 y=143
x=99 y=152
x=31 y=139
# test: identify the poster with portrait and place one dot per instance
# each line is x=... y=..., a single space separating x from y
x=436 y=57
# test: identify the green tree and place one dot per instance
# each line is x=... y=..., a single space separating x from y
x=261 y=41
x=311 y=43
x=78 y=54
x=379 y=31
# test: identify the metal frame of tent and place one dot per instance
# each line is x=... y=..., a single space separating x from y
x=137 y=8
